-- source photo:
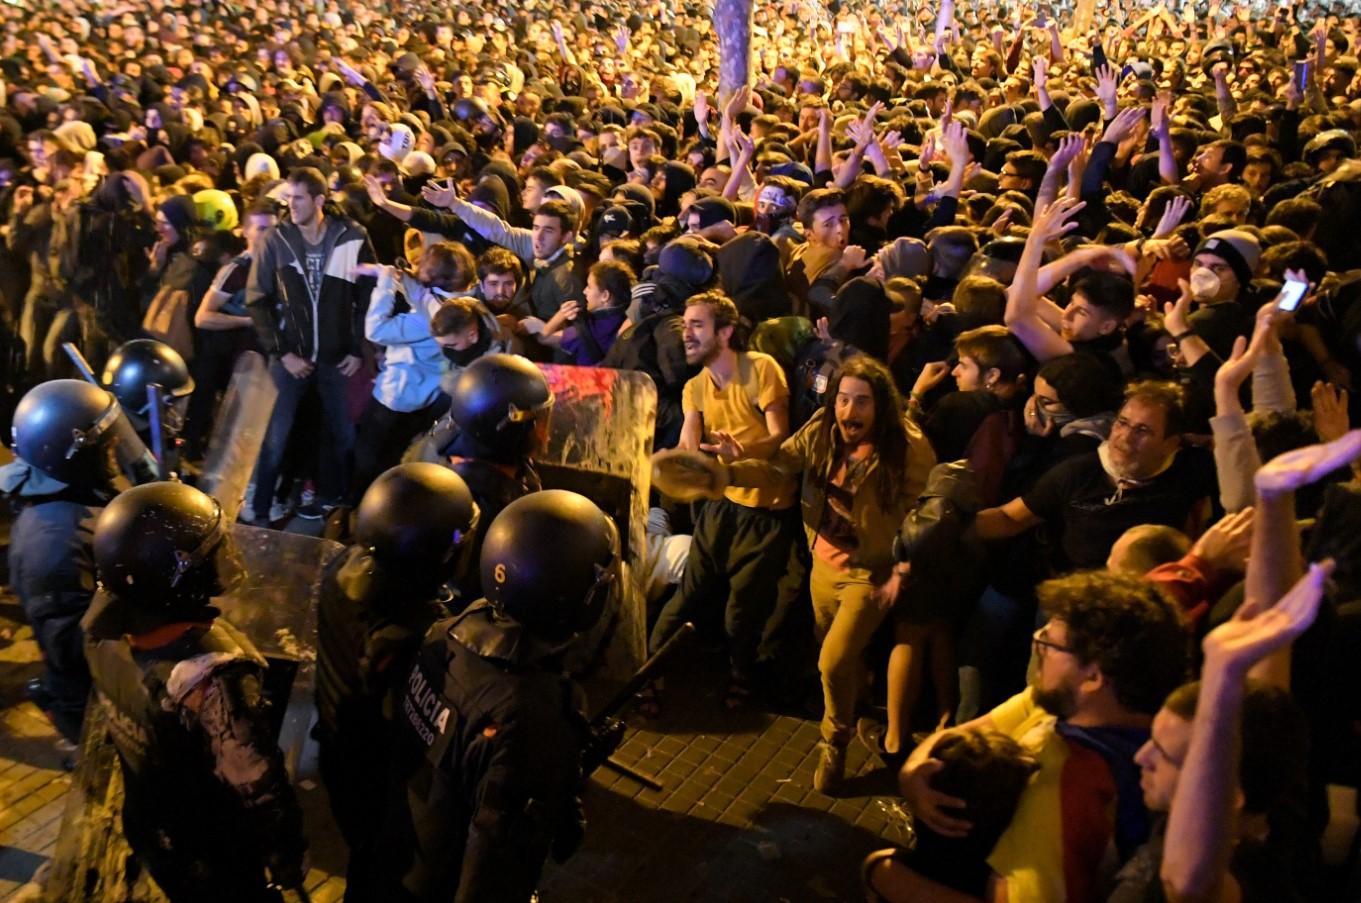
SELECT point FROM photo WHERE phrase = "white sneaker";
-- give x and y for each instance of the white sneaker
(280, 511)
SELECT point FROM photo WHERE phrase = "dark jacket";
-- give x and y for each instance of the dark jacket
(324, 329)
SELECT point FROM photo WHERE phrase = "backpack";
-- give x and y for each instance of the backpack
(1339, 194)
(809, 363)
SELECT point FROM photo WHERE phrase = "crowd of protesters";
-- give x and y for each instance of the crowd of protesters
(1046, 247)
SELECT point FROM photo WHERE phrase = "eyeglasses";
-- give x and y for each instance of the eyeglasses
(1042, 642)
(1166, 756)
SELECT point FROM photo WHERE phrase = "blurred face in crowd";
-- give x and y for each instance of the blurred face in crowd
(548, 236)
(460, 340)
(854, 408)
(969, 376)
(596, 297)
(703, 342)
(1160, 759)
(1209, 167)
(1083, 321)
(532, 194)
(640, 148)
(1257, 177)
(831, 227)
(303, 208)
(256, 225)
(1139, 445)
(498, 289)
(1037, 407)
(1227, 287)
(1057, 677)
(165, 231)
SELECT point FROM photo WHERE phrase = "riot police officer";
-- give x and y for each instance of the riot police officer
(490, 731)
(376, 602)
(207, 806)
(73, 446)
(497, 422)
(132, 369)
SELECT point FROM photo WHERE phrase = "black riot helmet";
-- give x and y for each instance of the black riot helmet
(164, 546)
(414, 517)
(138, 364)
(501, 402)
(548, 562)
(77, 433)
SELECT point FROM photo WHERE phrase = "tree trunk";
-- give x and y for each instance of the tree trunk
(732, 22)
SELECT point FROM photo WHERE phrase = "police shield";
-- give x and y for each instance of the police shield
(273, 605)
(600, 445)
(238, 433)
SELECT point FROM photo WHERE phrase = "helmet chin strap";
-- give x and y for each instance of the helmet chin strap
(185, 562)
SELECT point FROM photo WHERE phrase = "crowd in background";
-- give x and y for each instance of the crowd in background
(1107, 258)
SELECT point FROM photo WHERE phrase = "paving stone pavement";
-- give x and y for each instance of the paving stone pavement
(738, 819)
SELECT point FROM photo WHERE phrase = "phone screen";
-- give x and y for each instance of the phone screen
(1301, 74)
(1292, 293)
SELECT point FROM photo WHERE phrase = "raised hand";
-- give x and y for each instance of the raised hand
(1123, 124)
(1106, 88)
(1040, 70)
(737, 103)
(439, 195)
(932, 375)
(621, 39)
(1294, 469)
(1330, 411)
(1055, 220)
(1069, 147)
(425, 80)
(375, 190)
(955, 142)
(1250, 636)
(1175, 315)
(701, 107)
(1224, 546)
(1158, 119)
(1173, 213)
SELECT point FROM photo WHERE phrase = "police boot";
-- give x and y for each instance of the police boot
(831, 767)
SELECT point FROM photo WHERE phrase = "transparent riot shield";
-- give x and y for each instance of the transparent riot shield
(275, 607)
(238, 433)
(600, 445)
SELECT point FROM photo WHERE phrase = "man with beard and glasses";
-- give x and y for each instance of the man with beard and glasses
(1140, 475)
(1112, 649)
(863, 465)
(743, 541)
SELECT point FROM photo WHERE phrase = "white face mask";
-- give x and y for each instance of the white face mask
(1204, 283)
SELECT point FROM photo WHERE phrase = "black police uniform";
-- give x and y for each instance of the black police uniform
(207, 803)
(52, 572)
(488, 767)
(368, 633)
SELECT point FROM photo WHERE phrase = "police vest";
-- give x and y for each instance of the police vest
(141, 693)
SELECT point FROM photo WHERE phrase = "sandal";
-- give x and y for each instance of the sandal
(648, 701)
(738, 694)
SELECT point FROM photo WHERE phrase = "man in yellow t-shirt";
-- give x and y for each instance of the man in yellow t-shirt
(742, 542)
